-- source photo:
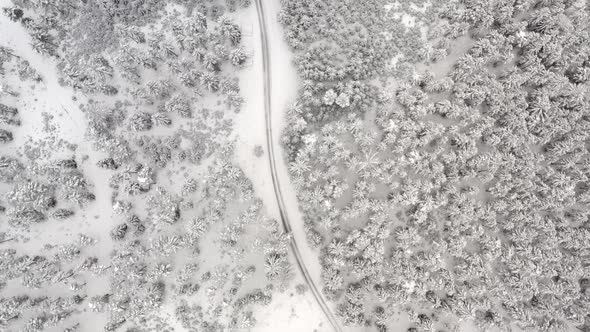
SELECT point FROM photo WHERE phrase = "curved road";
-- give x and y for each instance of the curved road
(274, 174)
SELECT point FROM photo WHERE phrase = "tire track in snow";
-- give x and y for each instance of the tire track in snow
(274, 174)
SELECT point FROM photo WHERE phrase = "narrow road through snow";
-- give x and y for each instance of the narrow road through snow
(271, 148)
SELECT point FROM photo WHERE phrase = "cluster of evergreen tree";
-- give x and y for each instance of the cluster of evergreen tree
(459, 195)
(157, 84)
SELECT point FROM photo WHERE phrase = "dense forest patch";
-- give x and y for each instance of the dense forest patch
(459, 195)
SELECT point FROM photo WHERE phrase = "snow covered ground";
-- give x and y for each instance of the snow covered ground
(57, 101)
(288, 311)
(284, 91)
(50, 97)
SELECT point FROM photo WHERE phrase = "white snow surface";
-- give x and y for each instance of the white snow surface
(286, 313)
(97, 219)
(57, 101)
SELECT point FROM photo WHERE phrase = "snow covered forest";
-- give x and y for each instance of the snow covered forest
(295, 165)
